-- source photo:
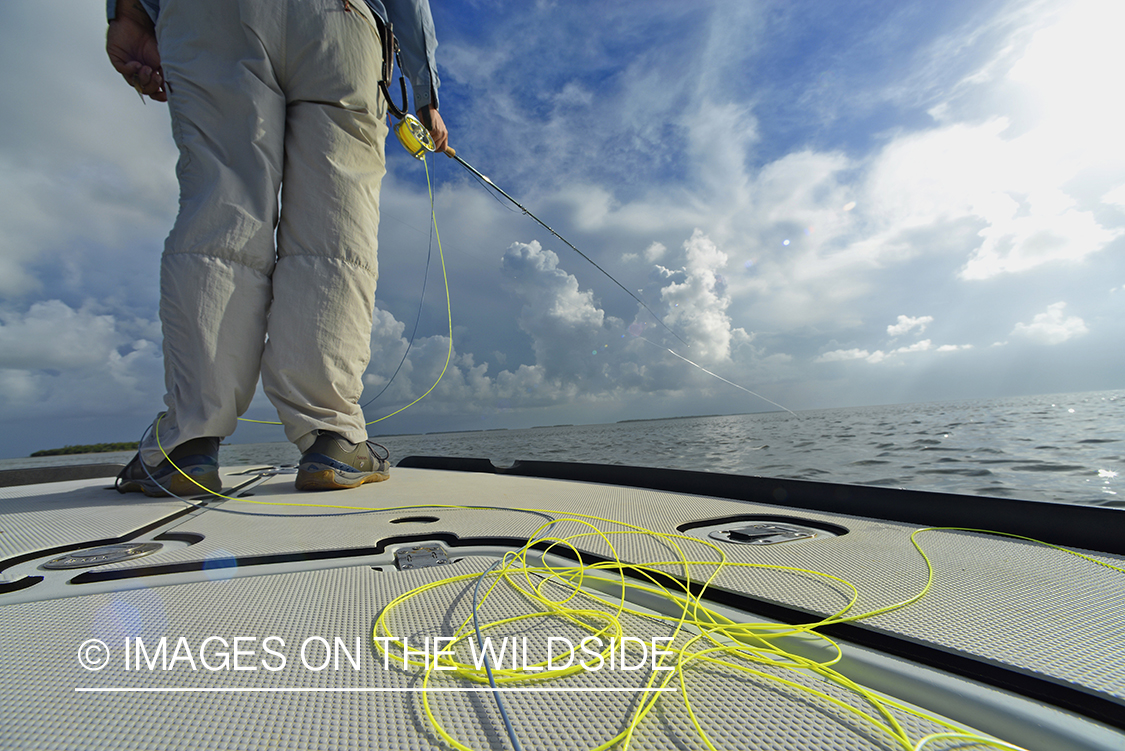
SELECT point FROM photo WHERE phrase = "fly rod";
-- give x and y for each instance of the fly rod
(416, 139)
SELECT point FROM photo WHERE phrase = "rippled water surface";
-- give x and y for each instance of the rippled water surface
(1068, 448)
(1063, 447)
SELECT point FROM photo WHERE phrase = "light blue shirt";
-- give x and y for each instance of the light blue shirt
(414, 30)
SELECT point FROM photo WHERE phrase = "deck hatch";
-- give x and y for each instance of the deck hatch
(102, 555)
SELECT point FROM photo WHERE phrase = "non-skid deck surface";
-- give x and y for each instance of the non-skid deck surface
(291, 566)
(58, 514)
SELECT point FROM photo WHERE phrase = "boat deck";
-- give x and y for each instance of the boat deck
(267, 603)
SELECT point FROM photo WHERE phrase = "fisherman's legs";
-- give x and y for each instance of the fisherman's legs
(324, 282)
(228, 119)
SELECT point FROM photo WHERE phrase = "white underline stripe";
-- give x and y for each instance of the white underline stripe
(111, 690)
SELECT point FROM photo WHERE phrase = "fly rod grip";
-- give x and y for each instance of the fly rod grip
(449, 152)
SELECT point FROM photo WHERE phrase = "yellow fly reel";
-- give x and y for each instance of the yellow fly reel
(414, 137)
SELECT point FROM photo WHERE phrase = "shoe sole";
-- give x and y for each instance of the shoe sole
(178, 484)
(206, 483)
(330, 479)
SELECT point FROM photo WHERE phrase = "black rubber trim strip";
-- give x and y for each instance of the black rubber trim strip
(16, 586)
(1076, 526)
(37, 475)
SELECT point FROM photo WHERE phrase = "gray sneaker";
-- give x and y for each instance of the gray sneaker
(333, 462)
(197, 461)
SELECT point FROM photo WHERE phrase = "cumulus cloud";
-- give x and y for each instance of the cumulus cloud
(563, 321)
(980, 172)
(1052, 326)
(1115, 197)
(1064, 71)
(987, 191)
(697, 301)
(841, 355)
(906, 323)
(879, 356)
(78, 361)
(922, 346)
(100, 182)
(581, 354)
(1013, 244)
(52, 335)
(88, 360)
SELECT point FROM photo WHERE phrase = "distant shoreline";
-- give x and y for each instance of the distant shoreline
(681, 417)
(90, 448)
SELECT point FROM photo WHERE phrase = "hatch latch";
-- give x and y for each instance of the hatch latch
(420, 556)
(762, 534)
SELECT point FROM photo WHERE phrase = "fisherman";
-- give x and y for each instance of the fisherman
(270, 96)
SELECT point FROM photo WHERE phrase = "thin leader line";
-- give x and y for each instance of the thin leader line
(716, 375)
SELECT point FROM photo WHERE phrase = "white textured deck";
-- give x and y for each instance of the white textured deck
(236, 569)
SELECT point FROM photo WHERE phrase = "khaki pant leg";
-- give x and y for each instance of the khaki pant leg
(228, 119)
(324, 283)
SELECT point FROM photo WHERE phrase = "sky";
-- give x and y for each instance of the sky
(900, 201)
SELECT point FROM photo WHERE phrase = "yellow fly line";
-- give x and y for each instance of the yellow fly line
(699, 635)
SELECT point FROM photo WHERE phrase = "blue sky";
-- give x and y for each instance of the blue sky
(894, 202)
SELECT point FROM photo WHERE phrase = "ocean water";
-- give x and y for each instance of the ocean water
(1067, 448)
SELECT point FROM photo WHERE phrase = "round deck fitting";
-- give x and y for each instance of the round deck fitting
(102, 555)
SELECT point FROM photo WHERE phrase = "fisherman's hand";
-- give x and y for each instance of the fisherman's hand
(431, 118)
(131, 46)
